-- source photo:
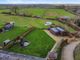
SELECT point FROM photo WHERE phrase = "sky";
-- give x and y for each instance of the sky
(39, 1)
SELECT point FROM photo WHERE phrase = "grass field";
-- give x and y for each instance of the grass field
(40, 44)
(47, 13)
(53, 13)
(27, 22)
(23, 21)
(34, 11)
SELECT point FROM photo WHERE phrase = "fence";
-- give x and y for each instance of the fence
(12, 42)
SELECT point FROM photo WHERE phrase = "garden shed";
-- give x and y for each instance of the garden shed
(6, 42)
(48, 23)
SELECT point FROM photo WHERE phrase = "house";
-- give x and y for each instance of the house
(54, 31)
(59, 31)
(8, 26)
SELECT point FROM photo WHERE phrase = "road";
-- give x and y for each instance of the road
(67, 52)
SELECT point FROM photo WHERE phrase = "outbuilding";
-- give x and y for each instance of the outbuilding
(8, 26)
(48, 23)
(6, 42)
(24, 42)
(64, 18)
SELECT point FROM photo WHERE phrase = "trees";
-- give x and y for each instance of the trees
(78, 22)
(14, 10)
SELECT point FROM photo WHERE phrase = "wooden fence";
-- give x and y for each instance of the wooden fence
(13, 42)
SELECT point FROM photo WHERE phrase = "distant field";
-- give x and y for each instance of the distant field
(46, 13)
(53, 13)
(34, 11)
(40, 44)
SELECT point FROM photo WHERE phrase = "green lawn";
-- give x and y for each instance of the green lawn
(40, 44)
(13, 33)
(23, 21)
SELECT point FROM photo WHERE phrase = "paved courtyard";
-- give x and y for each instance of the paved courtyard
(4, 55)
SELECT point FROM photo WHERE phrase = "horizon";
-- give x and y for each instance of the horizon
(39, 2)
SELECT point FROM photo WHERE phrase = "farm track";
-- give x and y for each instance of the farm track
(67, 52)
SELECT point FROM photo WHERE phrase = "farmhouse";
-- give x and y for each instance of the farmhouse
(58, 31)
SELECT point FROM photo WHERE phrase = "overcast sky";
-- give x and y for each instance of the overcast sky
(39, 1)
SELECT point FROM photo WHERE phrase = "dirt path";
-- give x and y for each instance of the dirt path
(67, 52)
(57, 39)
